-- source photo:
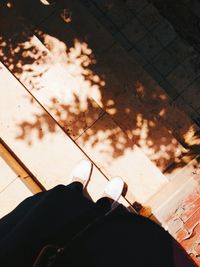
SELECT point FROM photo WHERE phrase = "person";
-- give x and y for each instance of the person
(62, 227)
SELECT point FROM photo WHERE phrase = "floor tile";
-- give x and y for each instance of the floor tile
(134, 31)
(104, 5)
(7, 29)
(164, 32)
(150, 17)
(183, 75)
(164, 62)
(155, 99)
(148, 47)
(6, 173)
(180, 49)
(122, 40)
(136, 119)
(118, 13)
(185, 106)
(12, 196)
(169, 89)
(155, 74)
(136, 6)
(136, 56)
(113, 152)
(93, 33)
(106, 22)
(191, 95)
(26, 10)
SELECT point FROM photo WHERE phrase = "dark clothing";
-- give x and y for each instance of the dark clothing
(116, 238)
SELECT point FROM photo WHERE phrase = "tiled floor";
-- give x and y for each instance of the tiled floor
(153, 36)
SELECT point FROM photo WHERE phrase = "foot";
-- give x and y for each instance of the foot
(82, 172)
(114, 189)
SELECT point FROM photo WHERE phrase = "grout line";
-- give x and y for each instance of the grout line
(9, 184)
(118, 29)
(45, 18)
(102, 115)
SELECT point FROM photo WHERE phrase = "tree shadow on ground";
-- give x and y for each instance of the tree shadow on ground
(77, 88)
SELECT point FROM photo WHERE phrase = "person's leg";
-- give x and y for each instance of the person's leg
(8, 222)
(57, 214)
(11, 219)
(49, 220)
(81, 173)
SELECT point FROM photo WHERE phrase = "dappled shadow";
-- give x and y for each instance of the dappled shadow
(79, 86)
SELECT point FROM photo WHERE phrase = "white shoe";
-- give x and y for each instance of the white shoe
(114, 189)
(82, 172)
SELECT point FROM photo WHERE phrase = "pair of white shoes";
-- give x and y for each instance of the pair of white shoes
(82, 173)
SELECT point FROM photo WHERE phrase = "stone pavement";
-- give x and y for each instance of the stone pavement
(108, 80)
(153, 42)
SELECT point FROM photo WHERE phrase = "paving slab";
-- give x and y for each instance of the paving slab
(123, 62)
(7, 29)
(164, 63)
(134, 30)
(148, 47)
(121, 38)
(191, 95)
(7, 175)
(26, 10)
(68, 97)
(155, 74)
(101, 16)
(184, 74)
(12, 196)
(164, 32)
(154, 98)
(55, 101)
(50, 156)
(150, 17)
(141, 175)
(180, 49)
(116, 11)
(186, 106)
(169, 89)
(94, 33)
(136, 6)
(136, 56)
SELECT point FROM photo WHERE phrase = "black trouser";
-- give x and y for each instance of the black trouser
(57, 215)
(50, 217)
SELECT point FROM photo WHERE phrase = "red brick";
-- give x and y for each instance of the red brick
(181, 235)
(191, 209)
(195, 237)
(193, 221)
(197, 249)
(192, 198)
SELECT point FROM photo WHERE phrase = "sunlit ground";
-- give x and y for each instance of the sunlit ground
(64, 80)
